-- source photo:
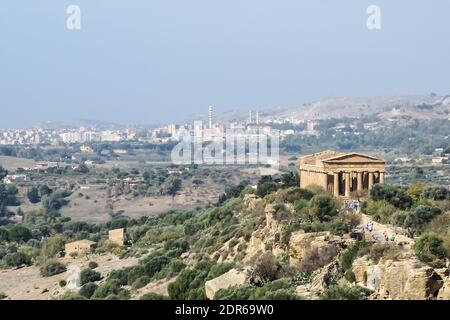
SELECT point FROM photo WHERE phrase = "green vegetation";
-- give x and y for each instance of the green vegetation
(430, 249)
(17, 259)
(51, 268)
(88, 275)
(346, 293)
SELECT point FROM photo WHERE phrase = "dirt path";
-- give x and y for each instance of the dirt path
(380, 230)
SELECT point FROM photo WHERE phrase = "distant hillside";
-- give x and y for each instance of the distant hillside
(429, 106)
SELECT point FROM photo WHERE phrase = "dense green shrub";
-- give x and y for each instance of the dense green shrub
(53, 246)
(153, 296)
(155, 265)
(88, 275)
(417, 219)
(19, 233)
(17, 259)
(396, 195)
(219, 269)
(33, 195)
(88, 289)
(436, 193)
(190, 283)
(380, 211)
(429, 249)
(324, 207)
(4, 234)
(111, 289)
(350, 276)
(336, 292)
(72, 296)
(141, 282)
(273, 289)
(241, 292)
(52, 267)
(282, 294)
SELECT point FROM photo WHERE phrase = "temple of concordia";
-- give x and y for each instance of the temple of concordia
(342, 174)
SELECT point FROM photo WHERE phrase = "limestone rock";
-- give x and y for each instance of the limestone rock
(300, 242)
(328, 275)
(444, 293)
(251, 200)
(399, 280)
(325, 277)
(232, 278)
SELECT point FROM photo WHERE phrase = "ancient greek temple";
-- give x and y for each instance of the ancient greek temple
(342, 174)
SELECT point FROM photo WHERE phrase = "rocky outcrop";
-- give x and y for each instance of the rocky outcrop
(444, 293)
(328, 275)
(300, 242)
(251, 200)
(232, 278)
(399, 280)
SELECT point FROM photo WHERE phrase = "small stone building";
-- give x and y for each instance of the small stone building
(341, 173)
(81, 246)
(117, 236)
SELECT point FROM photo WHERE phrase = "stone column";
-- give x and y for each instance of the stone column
(347, 184)
(370, 180)
(360, 181)
(336, 185)
(381, 177)
(324, 181)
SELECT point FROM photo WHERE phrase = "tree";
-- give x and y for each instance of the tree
(33, 195)
(324, 207)
(51, 268)
(265, 186)
(419, 217)
(436, 193)
(17, 259)
(4, 234)
(88, 275)
(44, 190)
(19, 233)
(3, 173)
(54, 246)
(88, 290)
(429, 249)
(290, 179)
(395, 195)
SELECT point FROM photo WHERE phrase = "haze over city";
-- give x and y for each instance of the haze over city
(159, 61)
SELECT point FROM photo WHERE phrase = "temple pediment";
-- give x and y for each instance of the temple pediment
(353, 158)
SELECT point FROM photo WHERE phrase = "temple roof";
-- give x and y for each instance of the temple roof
(336, 157)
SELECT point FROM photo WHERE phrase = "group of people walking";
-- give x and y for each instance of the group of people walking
(387, 238)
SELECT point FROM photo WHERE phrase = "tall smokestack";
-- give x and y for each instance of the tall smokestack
(257, 117)
(210, 116)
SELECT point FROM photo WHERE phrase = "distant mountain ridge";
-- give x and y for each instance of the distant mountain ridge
(426, 106)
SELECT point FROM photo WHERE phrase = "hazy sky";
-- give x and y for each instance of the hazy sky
(149, 61)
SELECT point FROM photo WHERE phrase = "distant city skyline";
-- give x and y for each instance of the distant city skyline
(160, 62)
